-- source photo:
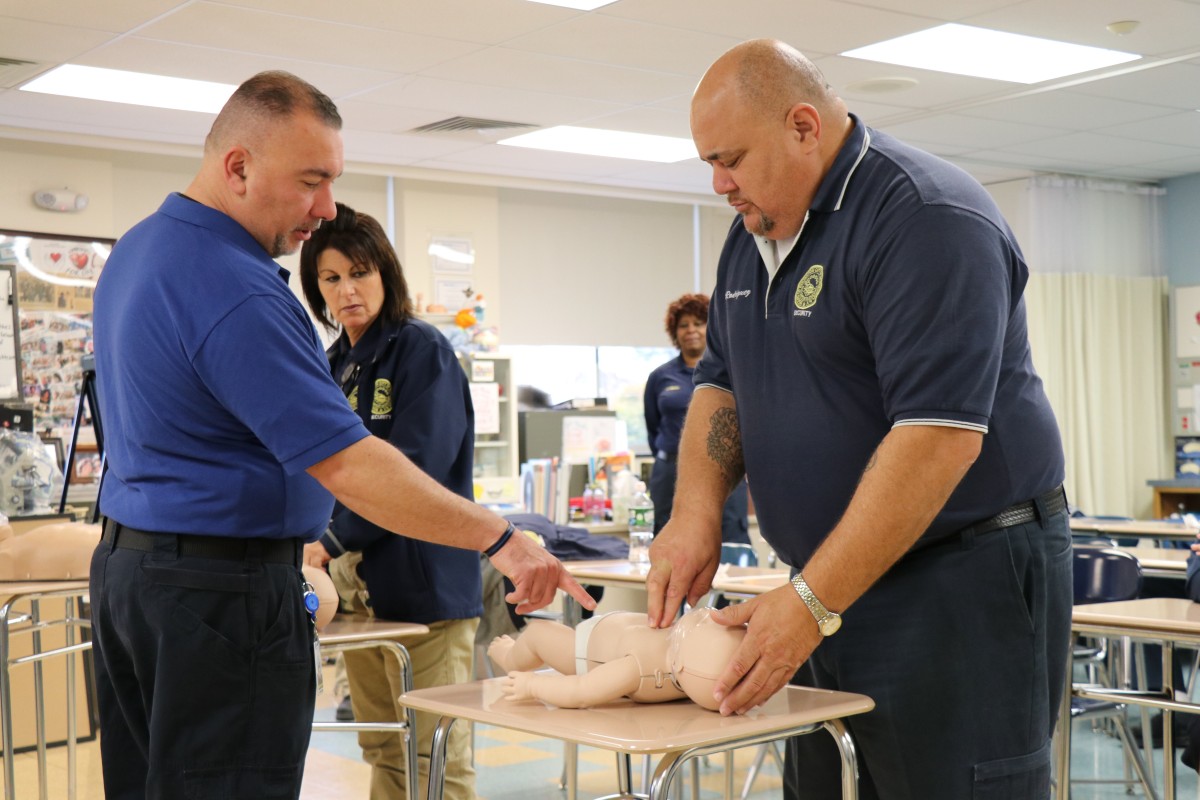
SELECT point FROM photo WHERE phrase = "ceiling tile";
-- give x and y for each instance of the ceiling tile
(480, 21)
(971, 133)
(599, 38)
(471, 99)
(228, 28)
(1173, 85)
(1101, 150)
(1166, 26)
(1068, 109)
(114, 17)
(1181, 129)
(824, 26)
(46, 43)
(514, 69)
(225, 66)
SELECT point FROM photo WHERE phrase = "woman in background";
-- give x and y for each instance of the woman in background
(668, 393)
(404, 380)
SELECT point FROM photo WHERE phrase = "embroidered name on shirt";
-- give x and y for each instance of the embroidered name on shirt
(737, 295)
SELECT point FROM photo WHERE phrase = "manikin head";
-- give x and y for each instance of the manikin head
(699, 649)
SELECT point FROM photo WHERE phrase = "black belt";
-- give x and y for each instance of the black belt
(663, 455)
(228, 548)
(1052, 502)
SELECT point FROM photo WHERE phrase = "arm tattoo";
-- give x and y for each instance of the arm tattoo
(871, 462)
(725, 444)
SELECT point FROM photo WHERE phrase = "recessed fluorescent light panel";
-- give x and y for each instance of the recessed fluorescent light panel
(983, 53)
(578, 5)
(134, 88)
(615, 144)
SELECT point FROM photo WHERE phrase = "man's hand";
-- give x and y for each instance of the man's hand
(683, 560)
(315, 555)
(780, 636)
(536, 575)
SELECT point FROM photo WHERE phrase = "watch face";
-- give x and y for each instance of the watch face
(830, 624)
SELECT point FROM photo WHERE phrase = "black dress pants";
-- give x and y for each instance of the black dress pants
(205, 675)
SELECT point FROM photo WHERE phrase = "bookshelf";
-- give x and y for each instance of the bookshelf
(493, 393)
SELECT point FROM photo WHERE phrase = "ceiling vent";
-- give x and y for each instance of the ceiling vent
(16, 70)
(475, 128)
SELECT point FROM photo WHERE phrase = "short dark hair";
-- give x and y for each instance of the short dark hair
(360, 238)
(271, 95)
(694, 304)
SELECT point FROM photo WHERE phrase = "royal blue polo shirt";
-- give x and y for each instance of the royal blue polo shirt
(899, 304)
(214, 391)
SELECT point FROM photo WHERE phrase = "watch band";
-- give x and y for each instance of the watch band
(828, 622)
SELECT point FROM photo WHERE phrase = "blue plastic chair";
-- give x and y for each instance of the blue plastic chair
(738, 554)
(1104, 575)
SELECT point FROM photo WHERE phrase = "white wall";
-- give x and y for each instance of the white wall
(591, 270)
(554, 267)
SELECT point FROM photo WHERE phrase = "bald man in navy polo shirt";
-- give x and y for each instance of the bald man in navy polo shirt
(868, 368)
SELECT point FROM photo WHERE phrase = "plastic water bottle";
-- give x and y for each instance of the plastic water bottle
(641, 525)
(599, 503)
(589, 503)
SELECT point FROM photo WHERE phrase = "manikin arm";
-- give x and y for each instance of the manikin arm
(600, 685)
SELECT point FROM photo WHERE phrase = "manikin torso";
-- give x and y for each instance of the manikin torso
(620, 634)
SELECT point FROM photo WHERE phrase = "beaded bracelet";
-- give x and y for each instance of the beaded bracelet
(503, 540)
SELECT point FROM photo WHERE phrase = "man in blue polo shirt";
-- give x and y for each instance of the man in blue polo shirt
(227, 442)
(868, 367)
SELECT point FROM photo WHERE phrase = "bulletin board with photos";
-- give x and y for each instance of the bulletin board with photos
(55, 279)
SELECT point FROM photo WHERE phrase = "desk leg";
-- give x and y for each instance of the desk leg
(1168, 719)
(845, 746)
(69, 615)
(412, 778)
(39, 698)
(671, 762)
(1062, 742)
(6, 703)
(571, 770)
(437, 757)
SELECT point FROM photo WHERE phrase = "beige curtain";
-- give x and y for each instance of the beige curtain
(1098, 329)
(1098, 343)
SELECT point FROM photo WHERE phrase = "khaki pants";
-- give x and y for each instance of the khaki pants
(443, 656)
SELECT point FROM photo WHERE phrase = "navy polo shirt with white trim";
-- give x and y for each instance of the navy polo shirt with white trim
(899, 304)
(214, 390)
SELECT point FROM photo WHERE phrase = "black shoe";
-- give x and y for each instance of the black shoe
(346, 714)
(1180, 724)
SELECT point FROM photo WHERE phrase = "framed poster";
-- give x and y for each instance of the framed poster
(55, 279)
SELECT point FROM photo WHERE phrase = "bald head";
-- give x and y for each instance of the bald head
(261, 102)
(770, 127)
(768, 77)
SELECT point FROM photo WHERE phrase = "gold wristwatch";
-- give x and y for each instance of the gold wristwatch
(828, 622)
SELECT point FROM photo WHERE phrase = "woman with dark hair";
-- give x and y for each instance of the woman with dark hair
(668, 394)
(404, 380)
